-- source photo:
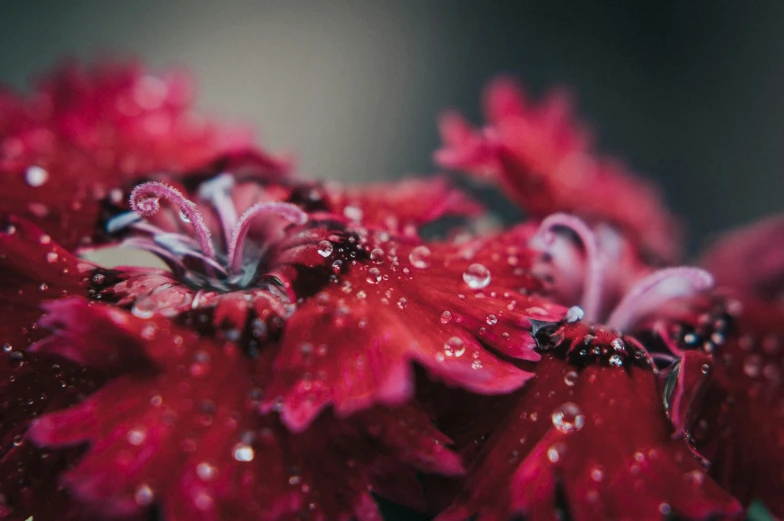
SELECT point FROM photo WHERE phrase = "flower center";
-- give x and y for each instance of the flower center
(193, 253)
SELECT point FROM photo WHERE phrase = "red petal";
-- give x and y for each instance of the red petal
(440, 306)
(403, 206)
(760, 246)
(594, 442)
(189, 436)
(33, 268)
(545, 161)
(85, 132)
(740, 426)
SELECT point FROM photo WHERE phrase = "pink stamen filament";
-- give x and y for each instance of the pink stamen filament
(287, 210)
(647, 294)
(592, 285)
(217, 191)
(145, 200)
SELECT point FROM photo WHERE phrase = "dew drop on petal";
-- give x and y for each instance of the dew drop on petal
(205, 471)
(446, 317)
(570, 378)
(555, 452)
(243, 452)
(477, 276)
(402, 303)
(144, 495)
(752, 366)
(574, 314)
(353, 213)
(136, 437)
(597, 474)
(325, 248)
(420, 257)
(51, 257)
(374, 275)
(616, 360)
(377, 255)
(36, 176)
(491, 320)
(143, 308)
(454, 347)
(184, 217)
(568, 418)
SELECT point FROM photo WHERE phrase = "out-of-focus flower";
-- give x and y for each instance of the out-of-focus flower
(308, 346)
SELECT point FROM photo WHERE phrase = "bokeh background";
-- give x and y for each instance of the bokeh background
(688, 93)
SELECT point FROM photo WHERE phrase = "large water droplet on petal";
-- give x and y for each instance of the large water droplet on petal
(568, 417)
(454, 347)
(420, 257)
(243, 452)
(325, 248)
(374, 275)
(36, 176)
(377, 255)
(446, 317)
(477, 276)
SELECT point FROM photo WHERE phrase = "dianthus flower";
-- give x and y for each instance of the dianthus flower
(303, 348)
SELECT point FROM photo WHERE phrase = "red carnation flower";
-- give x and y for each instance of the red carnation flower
(307, 347)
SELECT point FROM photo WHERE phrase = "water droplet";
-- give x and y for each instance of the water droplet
(454, 347)
(98, 278)
(597, 474)
(477, 276)
(243, 452)
(420, 257)
(568, 418)
(17, 440)
(8, 347)
(377, 255)
(555, 452)
(491, 320)
(51, 257)
(446, 317)
(325, 248)
(205, 471)
(616, 360)
(574, 314)
(402, 303)
(570, 378)
(617, 344)
(353, 213)
(184, 217)
(143, 307)
(752, 366)
(36, 176)
(374, 275)
(136, 437)
(144, 495)
(43, 286)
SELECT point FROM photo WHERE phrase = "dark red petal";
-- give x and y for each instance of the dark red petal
(33, 268)
(440, 305)
(740, 426)
(592, 441)
(404, 206)
(545, 162)
(84, 133)
(750, 260)
(188, 436)
(31, 385)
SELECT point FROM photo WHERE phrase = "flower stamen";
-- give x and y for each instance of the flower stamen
(241, 229)
(590, 301)
(145, 200)
(652, 291)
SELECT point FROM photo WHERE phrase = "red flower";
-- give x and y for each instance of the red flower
(546, 163)
(307, 345)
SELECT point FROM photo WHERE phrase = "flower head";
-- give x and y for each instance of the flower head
(302, 346)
